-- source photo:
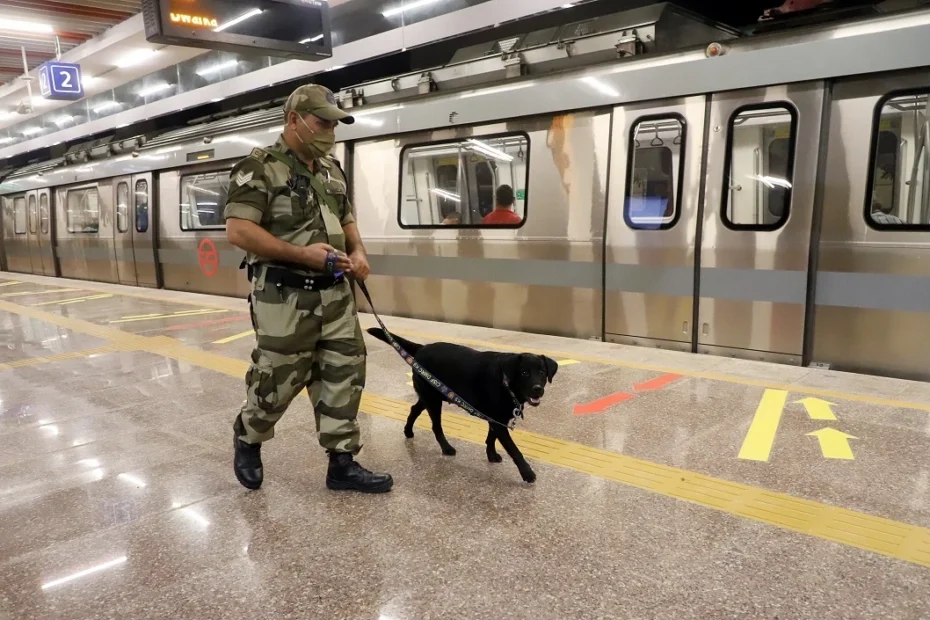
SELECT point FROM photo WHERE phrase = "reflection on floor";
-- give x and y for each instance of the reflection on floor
(670, 485)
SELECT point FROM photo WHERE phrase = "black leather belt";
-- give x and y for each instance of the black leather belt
(277, 276)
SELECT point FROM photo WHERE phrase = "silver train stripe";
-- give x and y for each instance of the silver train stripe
(504, 270)
(876, 291)
(188, 258)
(650, 279)
(775, 286)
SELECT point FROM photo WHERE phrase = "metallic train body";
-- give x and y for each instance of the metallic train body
(762, 246)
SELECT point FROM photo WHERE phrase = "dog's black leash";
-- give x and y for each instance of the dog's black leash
(436, 383)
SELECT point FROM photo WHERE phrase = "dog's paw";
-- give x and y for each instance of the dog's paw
(494, 457)
(408, 433)
(448, 451)
(528, 476)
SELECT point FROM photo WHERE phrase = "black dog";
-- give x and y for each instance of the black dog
(478, 377)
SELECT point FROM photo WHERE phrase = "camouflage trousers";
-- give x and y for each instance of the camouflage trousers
(305, 339)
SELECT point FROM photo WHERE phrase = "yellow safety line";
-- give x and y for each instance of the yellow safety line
(49, 292)
(10, 283)
(903, 541)
(75, 300)
(165, 316)
(61, 357)
(826, 393)
(568, 362)
(234, 338)
(696, 374)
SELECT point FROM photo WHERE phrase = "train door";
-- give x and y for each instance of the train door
(143, 244)
(122, 232)
(756, 228)
(32, 231)
(46, 236)
(652, 220)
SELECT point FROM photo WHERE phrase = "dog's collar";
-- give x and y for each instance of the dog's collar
(517, 405)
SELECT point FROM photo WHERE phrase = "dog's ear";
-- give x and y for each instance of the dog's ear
(552, 367)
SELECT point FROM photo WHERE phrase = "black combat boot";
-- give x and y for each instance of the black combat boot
(346, 475)
(248, 463)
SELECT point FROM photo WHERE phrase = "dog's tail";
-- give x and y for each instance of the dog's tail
(410, 347)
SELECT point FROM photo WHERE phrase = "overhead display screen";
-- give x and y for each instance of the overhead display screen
(284, 28)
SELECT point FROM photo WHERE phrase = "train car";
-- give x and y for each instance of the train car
(733, 199)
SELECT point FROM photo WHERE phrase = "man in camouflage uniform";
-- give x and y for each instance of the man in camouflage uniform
(287, 208)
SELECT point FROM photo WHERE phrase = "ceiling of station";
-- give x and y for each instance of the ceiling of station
(34, 24)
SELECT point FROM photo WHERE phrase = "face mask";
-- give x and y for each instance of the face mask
(322, 143)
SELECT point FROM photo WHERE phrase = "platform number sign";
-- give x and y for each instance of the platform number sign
(60, 81)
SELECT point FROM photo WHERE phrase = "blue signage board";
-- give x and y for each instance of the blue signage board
(60, 81)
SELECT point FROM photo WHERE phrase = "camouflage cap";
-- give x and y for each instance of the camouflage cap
(317, 100)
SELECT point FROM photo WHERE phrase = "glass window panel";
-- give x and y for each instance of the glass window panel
(471, 183)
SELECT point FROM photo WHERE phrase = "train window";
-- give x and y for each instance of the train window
(122, 207)
(33, 215)
(898, 189)
(654, 179)
(203, 197)
(19, 215)
(760, 167)
(469, 183)
(142, 206)
(83, 210)
(43, 213)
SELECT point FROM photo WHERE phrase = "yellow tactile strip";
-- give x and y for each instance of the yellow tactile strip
(61, 357)
(697, 374)
(903, 541)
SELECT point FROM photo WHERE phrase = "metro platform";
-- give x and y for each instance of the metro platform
(670, 485)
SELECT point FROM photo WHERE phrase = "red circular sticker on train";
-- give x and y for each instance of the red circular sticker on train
(208, 258)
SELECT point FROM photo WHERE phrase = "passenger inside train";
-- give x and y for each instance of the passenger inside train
(503, 212)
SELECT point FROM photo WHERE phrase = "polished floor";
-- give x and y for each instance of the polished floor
(669, 485)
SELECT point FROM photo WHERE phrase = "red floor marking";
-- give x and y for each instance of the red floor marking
(231, 319)
(656, 384)
(604, 403)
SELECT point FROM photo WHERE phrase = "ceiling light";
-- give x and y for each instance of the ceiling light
(6, 140)
(371, 122)
(237, 20)
(31, 131)
(487, 149)
(88, 80)
(313, 39)
(106, 106)
(135, 57)
(390, 108)
(154, 88)
(407, 7)
(21, 26)
(63, 120)
(217, 68)
(568, 5)
(449, 195)
(336, 67)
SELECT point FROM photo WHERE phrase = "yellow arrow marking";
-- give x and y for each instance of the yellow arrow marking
(11, 283)
(568, 362)
(834, 444)
(817, 408)
(234, 338)
(761, 435)
(410, 383)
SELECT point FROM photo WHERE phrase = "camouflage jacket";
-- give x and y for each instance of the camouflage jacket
(259, 191)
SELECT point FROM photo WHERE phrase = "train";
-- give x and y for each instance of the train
(762, 197)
